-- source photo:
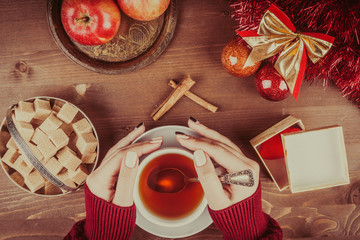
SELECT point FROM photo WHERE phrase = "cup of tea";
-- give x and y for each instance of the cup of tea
(163, 194)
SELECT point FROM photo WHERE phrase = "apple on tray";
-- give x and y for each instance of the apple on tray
(143, 10)
(90, 22)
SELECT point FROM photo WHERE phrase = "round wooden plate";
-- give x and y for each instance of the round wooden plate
(136, 44)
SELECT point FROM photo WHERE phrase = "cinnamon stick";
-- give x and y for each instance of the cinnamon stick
(195, 98)
(177, 93)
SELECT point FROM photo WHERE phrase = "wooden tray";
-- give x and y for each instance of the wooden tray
(136, 44)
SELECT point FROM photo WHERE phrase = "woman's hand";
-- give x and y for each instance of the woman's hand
(114, 179)
(216, 147)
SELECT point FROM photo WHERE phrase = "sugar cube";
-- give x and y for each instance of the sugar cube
(35, 151)
(58, 138)
(50, 123)
(22, 167)
(66, 151)
(51, 189)
(5, 166)
(26, 160)
(68, 158)
(67, 113)
(88, 157)
(2, 149)
(42, 109)
(16, 176)
(39, 136)
(56, 108)
(82, 126)
(36, 122)
(53, 166)
(26, 130)
(64, 177)
(79, 175)
(59, 103)
(72, 142)
(34, 181)
(24, 111)
(11, 144)
(47, 149)
(4, 138)
(10, 157)
(86, 142)
(67, 128)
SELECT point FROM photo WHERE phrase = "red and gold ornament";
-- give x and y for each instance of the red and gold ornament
(277, 35)
(270, 84)
(339, 18)
(234, 56)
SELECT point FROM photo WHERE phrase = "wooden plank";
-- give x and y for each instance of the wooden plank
(32, 65)
(332, 221)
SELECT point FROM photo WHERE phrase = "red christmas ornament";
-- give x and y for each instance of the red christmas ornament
(270, 84)
(272, 149)
(234, 56)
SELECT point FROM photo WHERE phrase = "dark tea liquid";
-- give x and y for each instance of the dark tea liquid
(171, 205)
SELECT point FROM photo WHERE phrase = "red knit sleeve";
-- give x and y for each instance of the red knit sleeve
(104, 220)
(246, 220)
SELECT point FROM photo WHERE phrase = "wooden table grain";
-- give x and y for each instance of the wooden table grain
(31, 64)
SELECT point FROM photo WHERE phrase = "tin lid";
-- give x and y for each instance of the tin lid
(316, 159)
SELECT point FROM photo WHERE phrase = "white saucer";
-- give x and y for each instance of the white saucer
(203, 221)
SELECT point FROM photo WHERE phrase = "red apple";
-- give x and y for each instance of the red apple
(143, 10)
(90, 22)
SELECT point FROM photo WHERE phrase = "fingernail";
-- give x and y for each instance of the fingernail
(200, 158)
(181, 135)
(130, 159)
(194, 120)
(156, 140)
(139, 125)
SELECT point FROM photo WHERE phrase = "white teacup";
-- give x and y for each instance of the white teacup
(148, 214)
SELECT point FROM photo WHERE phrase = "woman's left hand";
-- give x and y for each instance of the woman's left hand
(214, 147)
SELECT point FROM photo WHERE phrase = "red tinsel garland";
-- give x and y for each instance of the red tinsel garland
(338, 18)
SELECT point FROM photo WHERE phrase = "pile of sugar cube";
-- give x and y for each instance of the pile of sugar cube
(59, 136)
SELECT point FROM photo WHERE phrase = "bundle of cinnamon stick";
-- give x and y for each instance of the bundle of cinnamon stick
(181, 89)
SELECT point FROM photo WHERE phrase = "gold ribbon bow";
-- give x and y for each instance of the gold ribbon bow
(277, 34)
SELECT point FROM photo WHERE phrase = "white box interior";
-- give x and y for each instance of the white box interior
(316, 159)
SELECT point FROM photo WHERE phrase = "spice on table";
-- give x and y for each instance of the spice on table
(180, 90)
(197, 99)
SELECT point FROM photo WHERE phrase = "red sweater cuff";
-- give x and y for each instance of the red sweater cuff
(243, 220)
(107, 221)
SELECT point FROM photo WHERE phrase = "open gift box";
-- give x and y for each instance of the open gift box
(309, 160)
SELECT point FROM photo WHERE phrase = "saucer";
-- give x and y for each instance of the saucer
(203, 221)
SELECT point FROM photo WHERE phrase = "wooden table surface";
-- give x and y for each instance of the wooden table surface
(31, 64)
